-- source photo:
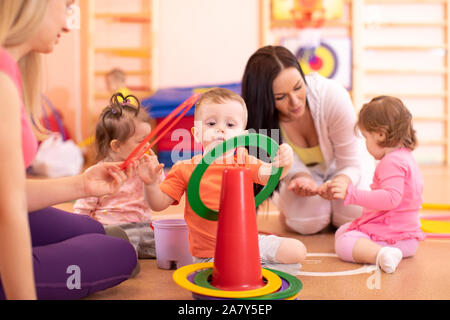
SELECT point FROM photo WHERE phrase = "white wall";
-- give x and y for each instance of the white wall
(205, 41)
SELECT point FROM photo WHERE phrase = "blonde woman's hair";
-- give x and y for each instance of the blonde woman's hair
(18, 22)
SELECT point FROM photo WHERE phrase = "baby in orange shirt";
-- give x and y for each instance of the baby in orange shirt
(220, 114)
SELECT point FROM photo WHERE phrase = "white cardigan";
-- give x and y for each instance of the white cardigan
(334, 118)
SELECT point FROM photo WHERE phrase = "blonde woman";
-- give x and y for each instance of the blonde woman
(46, 253)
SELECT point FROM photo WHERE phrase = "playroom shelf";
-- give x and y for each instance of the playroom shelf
(441, 142)
(144, 52)
(430, 119)
(138, 93)
(327, 24)
(402, 1)
(141, 17)
(436, 71)
(415, 95)
(405, 47)
(439, 50)
(406, 24)
(112, 38)
(363, 18)
(102, 73)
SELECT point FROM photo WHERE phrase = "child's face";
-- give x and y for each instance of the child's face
(215, 123)
(121, 150)
(113, 84)
(372, 143)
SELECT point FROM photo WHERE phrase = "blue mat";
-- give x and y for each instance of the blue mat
(165, 101)
(166, 157)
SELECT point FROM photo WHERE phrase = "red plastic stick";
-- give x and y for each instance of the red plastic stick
(186, 105)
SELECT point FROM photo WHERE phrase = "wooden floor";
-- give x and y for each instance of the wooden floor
(424, 276)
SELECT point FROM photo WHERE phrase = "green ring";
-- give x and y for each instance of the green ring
(295, 285)
(250, 140)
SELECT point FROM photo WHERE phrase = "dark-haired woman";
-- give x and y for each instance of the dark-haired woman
(316, 117)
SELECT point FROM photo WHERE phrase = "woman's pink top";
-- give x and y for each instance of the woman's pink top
(29, 143)
(391, 207)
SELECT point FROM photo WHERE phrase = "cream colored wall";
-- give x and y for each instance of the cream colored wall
(198, 42)
(209, 41)
(205, 41)
(61, 79)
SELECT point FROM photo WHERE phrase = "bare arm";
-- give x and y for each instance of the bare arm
(98, 180)
(56, 191)
(16, 263)
(150, 172)
(156, 199)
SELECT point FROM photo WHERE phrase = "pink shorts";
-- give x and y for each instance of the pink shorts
(345, 240)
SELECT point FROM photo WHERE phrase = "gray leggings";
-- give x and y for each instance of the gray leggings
(142, 237)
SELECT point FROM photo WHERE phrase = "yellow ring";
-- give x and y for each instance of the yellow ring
(435, 206)
(293, 297)
(181, 274)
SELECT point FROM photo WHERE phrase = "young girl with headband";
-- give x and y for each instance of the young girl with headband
(389, 228)
(121, 127)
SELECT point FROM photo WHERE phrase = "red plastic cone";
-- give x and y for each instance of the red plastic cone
(237, 263)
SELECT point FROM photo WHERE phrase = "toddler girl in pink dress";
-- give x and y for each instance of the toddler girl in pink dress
(121, 127)
(389, 228)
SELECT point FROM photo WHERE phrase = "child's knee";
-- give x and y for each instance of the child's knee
(341, 230)
(291, 251)
(345, 241)
(408, 247)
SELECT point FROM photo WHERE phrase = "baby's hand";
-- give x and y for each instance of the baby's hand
(284, 157)
(324, 190)
(338, 189)
(149, 169)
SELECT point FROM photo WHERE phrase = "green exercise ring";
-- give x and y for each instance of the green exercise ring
(295, 285)
(250, 140)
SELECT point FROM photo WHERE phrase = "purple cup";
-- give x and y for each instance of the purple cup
(171, 241)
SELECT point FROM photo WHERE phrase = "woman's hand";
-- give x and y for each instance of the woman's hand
(105, 178)
(149, 170)
(303, 185)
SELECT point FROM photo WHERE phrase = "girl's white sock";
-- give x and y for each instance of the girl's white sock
(388, 259)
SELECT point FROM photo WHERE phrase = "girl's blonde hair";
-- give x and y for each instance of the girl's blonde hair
(390, 116)
(116, 122)
(18, 22)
